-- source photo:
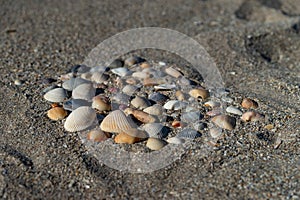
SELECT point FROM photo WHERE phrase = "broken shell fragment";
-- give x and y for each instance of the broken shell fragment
(173, 72)
(212, 104)
(56, 95)
(252, 116)
(57, 113)
(97, 135)
(155, 143)
(249, 103)
(196, 93)
(224, 121)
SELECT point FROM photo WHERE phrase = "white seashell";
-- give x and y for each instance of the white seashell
(84, 91)
(56, 95)
(212, 104)
(129, 89)
(156, 109)
(234, 110)
(188, 133)
(121, 71)
(141, 75)
(101, 103)
(175, 105)
(73, 104)
(191, 116)
(156, 130)
(99, 77)
(173, 72)
(155, 144)
(72, 83)
(175, 140)
(162, 63)
(140, 102)
(224, 121)
(165, 87)
(100, 69)
(80, 119)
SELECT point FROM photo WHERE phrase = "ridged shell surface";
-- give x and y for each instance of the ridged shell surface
(84, 91)
(56, 95)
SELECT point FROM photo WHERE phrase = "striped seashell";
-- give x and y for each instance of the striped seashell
(156, 130)
(188, 133)
(57, 113)
(155, 144)
(140, 102)
(99, 77)
(224, 121)
(84, 91)
(156, 109)
(56, 95)
(81, 119)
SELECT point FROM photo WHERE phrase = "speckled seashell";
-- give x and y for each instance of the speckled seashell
(121, 98)
(156, 109)
(234, 110)
(179, 95)
(252, 116)
(188, 133)
(73, 104)
(142, 116)
(141, 75)
(173, 72)
(156, 130)
(117, 122)
(212, 104)
(101, 103)
(140, 102)
(175, 140)
(175, 105)
(158, 97)
(121, 71)
(73, 83)
(155, 143)
(97, 135)
(191, 116)
(215, 132)
(57, 113)
(224, 121)
(133, 60)
(249, 103)
(130, 137)
(99, 77)
(165, 87)
(196, 93)
(129, 89)
(84, 91)
(56, 95)
(80, 119)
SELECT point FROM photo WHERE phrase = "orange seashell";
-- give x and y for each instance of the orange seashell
(130, 137)
(57, 113)
(249, 103)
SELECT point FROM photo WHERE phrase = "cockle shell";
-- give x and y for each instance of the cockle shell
(224, 121)
(101, 103)
(73, 104)
(97, 135)
(73, 83)
(56, 95)
(175, 140)
(140, 102)
(57, 113)
(173, 72)
(188, 133)
(84, 91)
(117, 122)
(191, 116)
(155, 143)
(80, 119)
(199, 92)
(234, 110)
(131, 136)
(252, 116)
(249, 103)
(141, 116)
(156, 109)
(99, 77)
(121, 71)
(156, 130)
(129, 89)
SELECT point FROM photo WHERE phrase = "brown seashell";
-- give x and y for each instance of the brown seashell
(177, 124)
(180, 95)
(57, 113)
(130, 137)
(145, 65)
(53, 105)
(249, 103)
(155, 144)
(131, 81)
(117, 122)
(224, 121)
(252, 116)
(142, 116)
(152, 81)
(173, 72)
(101, 103)
(97, 135)
(196, 93)
(140, 102)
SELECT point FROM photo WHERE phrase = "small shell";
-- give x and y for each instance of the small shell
(86, 76)
(152, 81)
(188, 133)
(156, 130)
(116, 63)
(180, 95)
(173, 72)
(249, 103)
(132, 81)
(141, 75)
(175, 105)
(97, 135)
(224, 121)
(133, 60)
(130, 89)
(73, 83)
(57, 113)
(101, 103)
(121, 71)
(99, 77)
(234, 110)
(199, 126)
(158, 97)
(130, 137)
(142, 116)
(215, 132)
(199, 93)
(145, 65)
(100, 69)
(177, 124)
(165, 87)
(140, 102)
(252, 116)
(184, 81)
(80, 119)
(214, 112)
(117, 122)
(191, 116)
(212, 104)
(84, 91)
(73, 104)
(175, 140)
(156, 109)
(56, 95)
(155, 144)
(121, 98)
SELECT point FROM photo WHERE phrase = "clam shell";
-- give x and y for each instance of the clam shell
(57, 113)
(191, 116)
(56, 95)
(234, 110)
(199, 92)
(121, 71)
(140, 102)
(155, 143)
(173, 72)
(73, 83)
(252, 116)
(117, 122)
(158, 97)
(80, 119)
(73, 104)
(156, 109)
(121, 98)
(212, 104)
(130, 137)
(97, 135)
(249, 103)
(156, 130)
(99, 77)
(175, 105)
(84, 91)
(101, 103)
(188, 133)
(224, 121)
(175, 140)
(129, 89)
(99, 69)
(142, 116)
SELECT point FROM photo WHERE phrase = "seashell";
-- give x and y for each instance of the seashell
(184, 81)
(141, 116)
(145, 65)
(215, 132)
(212, 104)
(234, 110)
(86, 76)
(175, 140)
(56, 95)
(199, 125)
(141, 75)
(130, 137)
(156, 130)
(133, 60)
(156, 73)
(173, 72)
(129, 89)
(98, 69)
(72, 83)
(117, 122)
(132, 81)
(99, 77)
(269, 126)
(180, 95)
(214, 112)
(79, 69)
(80, 119)
(57, 113)
(101, 103)
(196, 93)
(158, 97)
(249, 103)
(224, 121)
(165, 87)
(162, 63)
(84, 91)
(252, 116)
(191, 116)
(117, 63)
(121, 98)
(188, 133)
(155, 143)
(227, 99)
(156, 109)
(73, 104)
(97, 135)
(121, 71)
(174, 105)
(152, 81)
(140, 102)
(177, 124)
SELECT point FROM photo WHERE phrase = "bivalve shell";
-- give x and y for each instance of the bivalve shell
(101, 103)
(121, 71)
(191, 116)
(156, 130)
(73, 83)
(188, 133)
(234, 110)
(156, 109)
(97, 135)
(212, 104)
(99, 77)
(141, 75)
(133, 60)
(56, 95)
(142, 116)
(57, 113)
(196, 93)
(252, 116)
(140, 102)
(175, 140)
(73, 104)
(173, 72)
(84, 91)
(180, 95)
(224, 121)
(249, 103)
(158, 97)
(155, 144)
(175, 105)
(129, 89)
(130, 137)
(215, 132)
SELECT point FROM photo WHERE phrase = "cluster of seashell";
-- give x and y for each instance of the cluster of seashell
(134, 101)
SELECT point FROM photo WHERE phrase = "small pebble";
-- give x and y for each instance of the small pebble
(249, 103)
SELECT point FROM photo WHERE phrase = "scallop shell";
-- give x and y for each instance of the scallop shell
(155, 144)
(130, 137)
(174, 105)
(158, 97)
(173, 72)
(140, 102)
(56, 95)
(191, 116)
(117, 122)
(121, 71)
(97, 135)
(99, 77)
(73, 83)
(101, 103)
(199, 92)
(234, 110)
(84, 91)
(73, 104)
(224, 121)
(212, 104)
(252, 116)
(156, 130)
(175, 140)
(249, 103)
(57, 113)
(80, 119)
(129, 89)
(156, 109)
(188, 133)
